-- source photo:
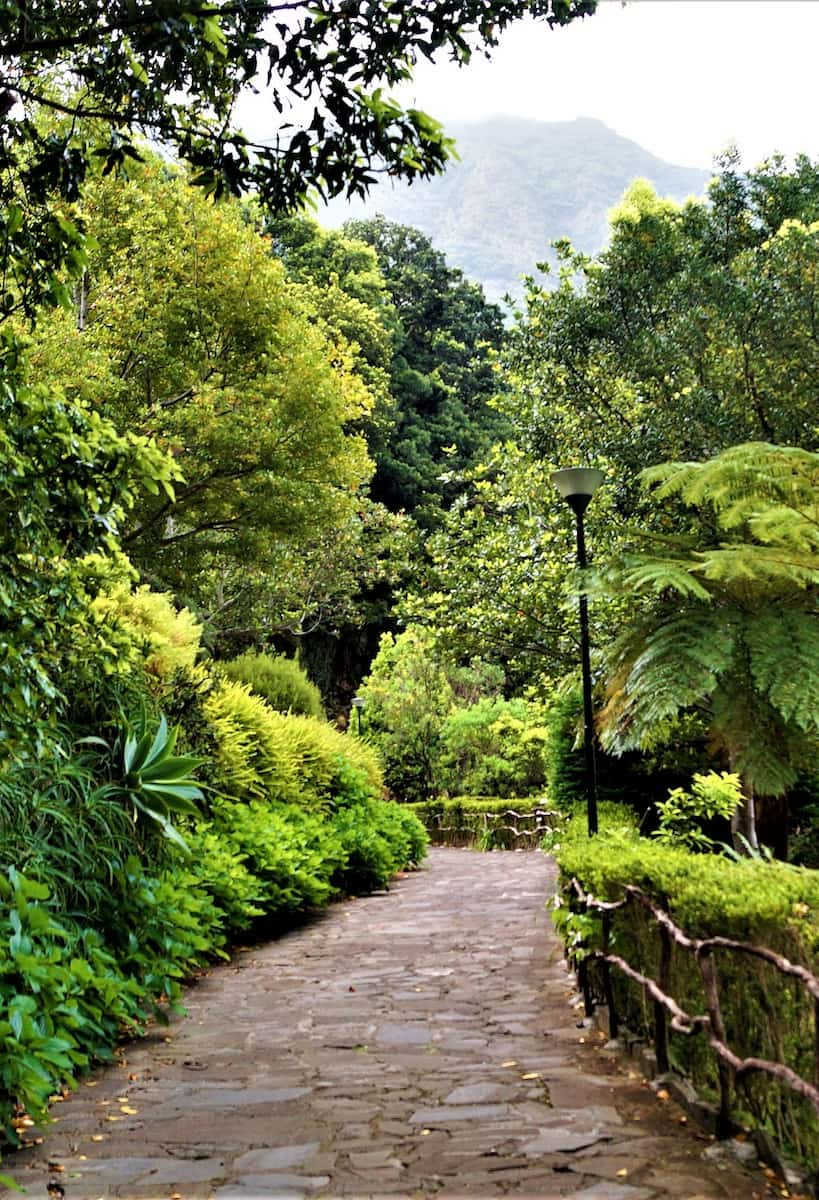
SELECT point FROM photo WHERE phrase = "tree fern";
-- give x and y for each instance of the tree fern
(725, 617)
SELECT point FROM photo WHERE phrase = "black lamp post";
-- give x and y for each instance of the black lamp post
(358, 703)
(577, 485)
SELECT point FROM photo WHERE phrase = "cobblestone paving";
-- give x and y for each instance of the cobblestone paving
(414, 1043)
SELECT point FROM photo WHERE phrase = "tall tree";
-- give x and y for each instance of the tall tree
(724, 619)
(185, 328)
(694, 330)
(442, 377)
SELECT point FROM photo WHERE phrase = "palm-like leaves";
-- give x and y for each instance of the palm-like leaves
(729, 626)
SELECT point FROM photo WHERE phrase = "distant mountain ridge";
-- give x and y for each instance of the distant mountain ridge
(521, 184)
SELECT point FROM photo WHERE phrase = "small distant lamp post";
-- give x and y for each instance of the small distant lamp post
(358, 703)
(577, 485)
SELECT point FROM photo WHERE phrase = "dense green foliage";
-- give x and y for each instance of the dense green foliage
(67, 480)
(691, 332)
(768, 904)
(683, 814)
(441, 371)
(278, 680)
(494, 747)
(184, 327)
(444, 729)
(105, 916)
(723, 618)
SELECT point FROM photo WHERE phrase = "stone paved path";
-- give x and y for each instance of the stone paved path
(414, 1043)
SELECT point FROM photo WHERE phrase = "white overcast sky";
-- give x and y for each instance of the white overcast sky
(684, 78)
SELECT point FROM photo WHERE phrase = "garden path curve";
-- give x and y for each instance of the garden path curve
(418, 1042)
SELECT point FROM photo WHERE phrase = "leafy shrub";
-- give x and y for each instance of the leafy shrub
(165, 924)
(378, 838)
(565, 763)
(408, 697)
(291, 853)
(264, 754)
(278, 680)
(415, 839)
(494, 747)
(683, 813)
(369, 859)
(58, 1007)
(221, 869)
(169, 637)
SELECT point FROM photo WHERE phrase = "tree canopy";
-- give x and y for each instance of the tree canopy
(442, 376)
(184, 328)
(693, 330)
(176, 73)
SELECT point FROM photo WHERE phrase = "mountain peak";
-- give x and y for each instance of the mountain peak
(519, 185)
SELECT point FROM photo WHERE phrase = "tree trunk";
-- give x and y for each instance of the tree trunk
(743, 822)
(772, 824)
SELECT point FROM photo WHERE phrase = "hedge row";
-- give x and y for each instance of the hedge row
(485, 822)
(767, 904)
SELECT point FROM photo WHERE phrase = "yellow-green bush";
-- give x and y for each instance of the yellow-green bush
(278, 680)
(171, 636)
(263, 754)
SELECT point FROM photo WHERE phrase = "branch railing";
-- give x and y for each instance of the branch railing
(507, 829)
(669, 1015)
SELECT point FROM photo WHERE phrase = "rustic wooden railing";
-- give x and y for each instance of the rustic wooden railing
(731, 1067)
(505, 830)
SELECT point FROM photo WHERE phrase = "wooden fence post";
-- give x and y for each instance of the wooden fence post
(708, 971)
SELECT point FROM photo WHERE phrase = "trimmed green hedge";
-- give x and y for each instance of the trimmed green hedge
(280, 681)
(485, 822)
(768, 904)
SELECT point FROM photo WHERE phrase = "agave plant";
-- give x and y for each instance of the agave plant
(158, 782)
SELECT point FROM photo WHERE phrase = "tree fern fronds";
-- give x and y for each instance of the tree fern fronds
(783, 650)
(730, 625)
(743, 480)
(788, 526)
(660, 668)
(763, 747)
(773, 567)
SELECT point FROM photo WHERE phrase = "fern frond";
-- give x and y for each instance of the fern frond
(661, 668)
(754, 473)
(783, 646)
(775, 567)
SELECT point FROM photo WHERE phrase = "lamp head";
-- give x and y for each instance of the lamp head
(577, 485)
(358, 702)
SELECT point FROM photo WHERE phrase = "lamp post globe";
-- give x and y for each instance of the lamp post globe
(576, 486)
